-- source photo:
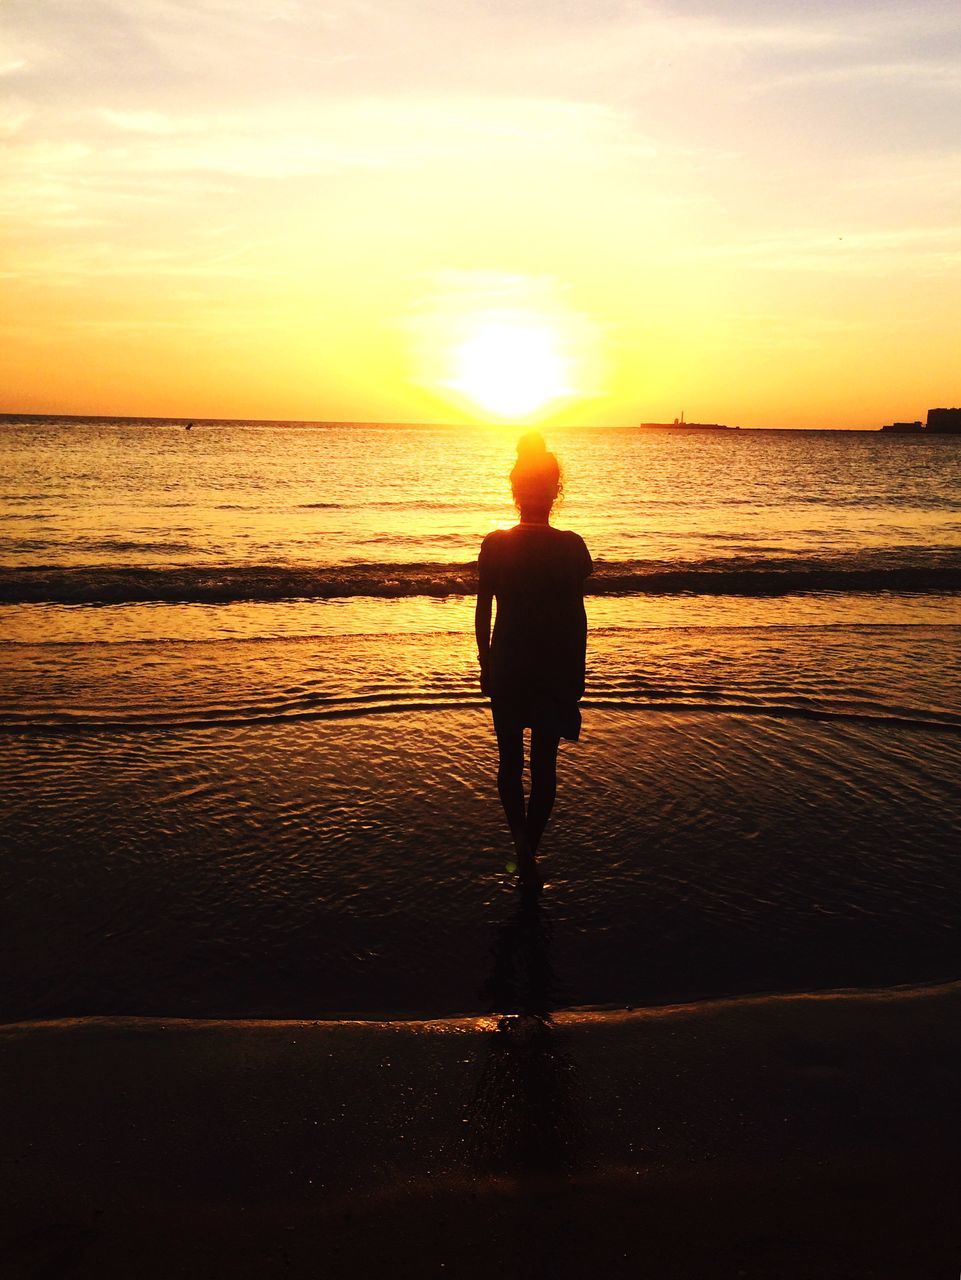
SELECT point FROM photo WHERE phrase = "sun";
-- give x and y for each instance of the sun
(510, 368)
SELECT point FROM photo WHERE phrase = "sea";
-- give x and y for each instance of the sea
(248, 770)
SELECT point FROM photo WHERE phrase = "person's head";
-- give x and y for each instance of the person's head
(536, 477)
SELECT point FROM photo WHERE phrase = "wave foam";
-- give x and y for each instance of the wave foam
(121, 584)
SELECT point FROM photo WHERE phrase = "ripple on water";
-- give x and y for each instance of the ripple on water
(357, 866)
(898, 675)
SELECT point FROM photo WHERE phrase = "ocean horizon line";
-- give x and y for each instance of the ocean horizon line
(8, 417)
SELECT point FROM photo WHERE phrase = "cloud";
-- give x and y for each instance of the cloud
(921, 74)
(252, 48)
(291, 141)
(156, 123)
(13, 116)
(624, 146)
(897, 249)
(461, 289)
(106, 259)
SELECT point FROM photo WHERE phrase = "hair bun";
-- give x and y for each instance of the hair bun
(536, 477)
(531, 446)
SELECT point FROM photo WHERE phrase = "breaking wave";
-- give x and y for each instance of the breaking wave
(939, 571)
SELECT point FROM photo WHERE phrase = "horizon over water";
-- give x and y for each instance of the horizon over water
(249, 771)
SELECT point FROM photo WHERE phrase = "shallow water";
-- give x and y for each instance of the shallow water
(358, 867)
(309, 826)
(789, 670)
(221, 800)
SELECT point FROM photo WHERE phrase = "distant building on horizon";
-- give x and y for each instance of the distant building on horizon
(941, 422)
(944, 421)
(690, 426)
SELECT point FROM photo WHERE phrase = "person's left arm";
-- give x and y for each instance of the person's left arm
(585, 565)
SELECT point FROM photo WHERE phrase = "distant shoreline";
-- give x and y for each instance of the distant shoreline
(685, 426)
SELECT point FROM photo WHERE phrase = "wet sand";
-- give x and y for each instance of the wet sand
(792, 1136)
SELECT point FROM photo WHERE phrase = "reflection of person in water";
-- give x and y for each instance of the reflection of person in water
(533, 667)
(525, 1115)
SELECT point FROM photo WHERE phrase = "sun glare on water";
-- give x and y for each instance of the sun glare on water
(510, 368)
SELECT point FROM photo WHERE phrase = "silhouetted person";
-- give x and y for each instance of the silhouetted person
(533, 667)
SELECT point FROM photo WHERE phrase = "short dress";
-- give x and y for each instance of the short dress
(538, 648)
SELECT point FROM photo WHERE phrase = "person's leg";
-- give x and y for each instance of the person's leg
(510, 778)
(543, 785)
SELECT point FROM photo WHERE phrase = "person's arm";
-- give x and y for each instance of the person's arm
(584, 565)
(586, 562)
(482, 611)
(482, 630)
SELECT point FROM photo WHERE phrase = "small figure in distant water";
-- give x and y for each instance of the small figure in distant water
(189, 427)
(533, 667)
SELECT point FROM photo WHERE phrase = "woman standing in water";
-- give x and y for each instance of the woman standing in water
(533, 667)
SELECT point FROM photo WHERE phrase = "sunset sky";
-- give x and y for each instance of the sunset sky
(578, 210)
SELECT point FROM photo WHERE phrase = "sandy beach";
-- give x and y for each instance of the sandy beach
(791, 1136)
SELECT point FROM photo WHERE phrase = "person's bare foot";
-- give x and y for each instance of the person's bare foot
(522, 848)
(529, 878)
(524, 863)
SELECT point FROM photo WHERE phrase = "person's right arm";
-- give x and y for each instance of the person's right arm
(482, 615)
(482, 630)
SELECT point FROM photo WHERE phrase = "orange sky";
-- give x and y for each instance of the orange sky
(598, 212)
